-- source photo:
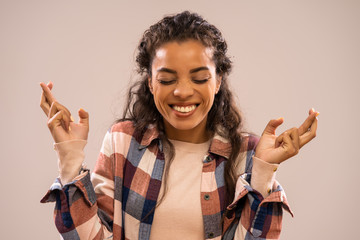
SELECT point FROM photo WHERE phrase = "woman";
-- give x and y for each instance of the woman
(177, 165)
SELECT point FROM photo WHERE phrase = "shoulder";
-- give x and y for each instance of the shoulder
(126, 127)
(126, 130)
(120, 134)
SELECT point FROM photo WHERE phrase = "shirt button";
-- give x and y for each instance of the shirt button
(207, 197)
(211, 235)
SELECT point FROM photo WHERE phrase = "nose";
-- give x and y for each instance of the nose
(183, 89)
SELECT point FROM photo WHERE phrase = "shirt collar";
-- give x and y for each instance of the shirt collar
(150, 135)
(218, 145)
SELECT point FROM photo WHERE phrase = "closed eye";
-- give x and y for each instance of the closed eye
(200, 81)
(166, 82)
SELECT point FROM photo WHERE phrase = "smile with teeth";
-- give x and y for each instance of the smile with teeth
(183, 109)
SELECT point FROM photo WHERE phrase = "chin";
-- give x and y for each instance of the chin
(183, 125)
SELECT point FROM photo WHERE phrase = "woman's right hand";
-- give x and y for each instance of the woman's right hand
(60, 122)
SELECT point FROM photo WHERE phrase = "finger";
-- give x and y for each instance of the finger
(45, 102)
(309, 135)
(50, 85)
(84, 117)
(294, 135)
(272, 125)
(56, 120)
(62, 107)
(308, 122)
(47, 93)
(66, 117)
(279, 140)
(288, 145)
(312, 110)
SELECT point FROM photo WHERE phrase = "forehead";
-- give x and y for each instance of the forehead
(190, 53)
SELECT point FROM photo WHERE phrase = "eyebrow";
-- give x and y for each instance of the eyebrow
(163, 69)
(168, 70)
(198, 69)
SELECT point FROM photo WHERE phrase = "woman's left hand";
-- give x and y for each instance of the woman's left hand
(276, 149)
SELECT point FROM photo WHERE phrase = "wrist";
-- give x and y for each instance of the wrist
(266, 158)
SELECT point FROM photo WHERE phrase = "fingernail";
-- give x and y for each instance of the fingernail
(72, 119)
(317, 114)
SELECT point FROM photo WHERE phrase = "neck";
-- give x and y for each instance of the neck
(199, 134)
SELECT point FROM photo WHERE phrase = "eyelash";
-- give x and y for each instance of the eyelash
(172, 81)
(201, 81)
(167, 82)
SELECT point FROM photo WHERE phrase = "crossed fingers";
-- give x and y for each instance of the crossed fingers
(47, 98)
(56, 113)
(307, 130)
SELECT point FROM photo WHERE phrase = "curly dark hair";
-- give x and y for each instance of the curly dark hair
(223, 118)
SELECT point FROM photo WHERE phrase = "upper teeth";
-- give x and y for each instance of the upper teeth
(184, 109)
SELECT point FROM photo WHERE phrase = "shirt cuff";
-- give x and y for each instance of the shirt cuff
(81, 182)
(263, 176)
(70, 158)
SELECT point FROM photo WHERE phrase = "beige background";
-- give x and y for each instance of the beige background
(288, 56)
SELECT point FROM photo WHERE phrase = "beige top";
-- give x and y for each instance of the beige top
(179, 215)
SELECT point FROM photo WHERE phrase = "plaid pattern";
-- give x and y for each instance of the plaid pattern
(119, 200)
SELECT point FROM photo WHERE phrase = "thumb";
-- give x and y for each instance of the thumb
(272, 125)
(84, 117)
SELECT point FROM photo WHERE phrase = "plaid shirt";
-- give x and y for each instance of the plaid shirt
(119, 200)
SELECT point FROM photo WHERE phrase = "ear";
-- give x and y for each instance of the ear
(218, 83)
(150, 84)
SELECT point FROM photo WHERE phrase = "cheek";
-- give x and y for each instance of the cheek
(210, 102)
(209, 94)
(159, 96)
(211, 99)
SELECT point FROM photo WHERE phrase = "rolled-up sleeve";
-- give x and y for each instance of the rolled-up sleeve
(81, 213)
(251, 216)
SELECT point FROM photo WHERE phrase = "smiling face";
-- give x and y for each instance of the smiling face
(184, 83)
